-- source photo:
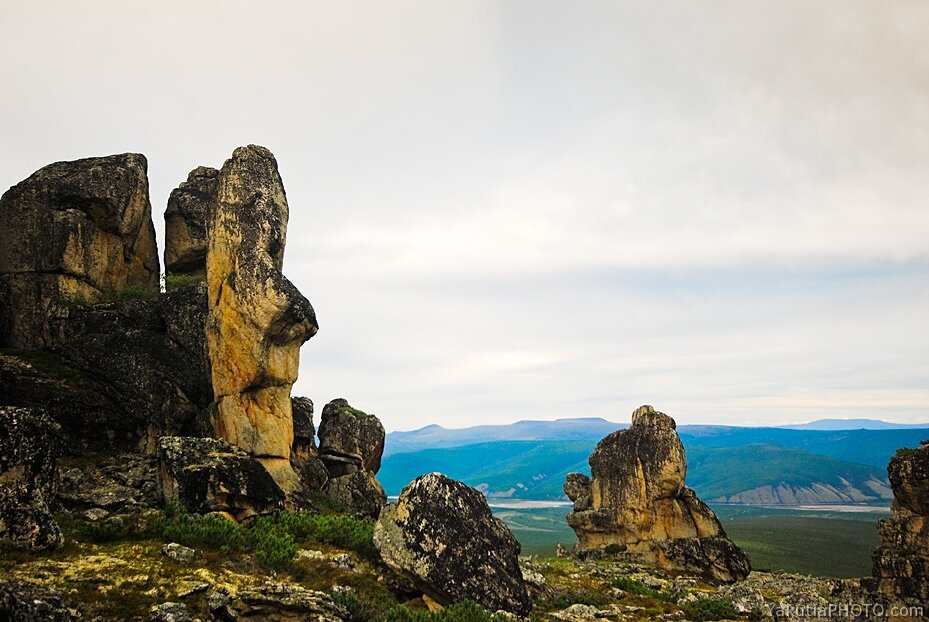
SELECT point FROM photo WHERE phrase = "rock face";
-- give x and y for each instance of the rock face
(147, 356)
(351, 443)
(441, 535)
(28, 479)
(25, 601)
(187, 221)
(257, 319)
(901, 562)
(73, 229)
(209, 475)
(636, 501)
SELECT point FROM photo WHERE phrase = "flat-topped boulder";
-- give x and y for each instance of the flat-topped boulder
(73, 230)
(636, 502)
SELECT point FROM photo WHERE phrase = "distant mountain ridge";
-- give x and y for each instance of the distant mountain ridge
(854, 424)
(726, 464)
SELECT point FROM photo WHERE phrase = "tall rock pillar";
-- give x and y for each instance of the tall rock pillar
(257, 319)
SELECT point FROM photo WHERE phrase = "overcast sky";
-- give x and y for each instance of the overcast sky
(514, 210)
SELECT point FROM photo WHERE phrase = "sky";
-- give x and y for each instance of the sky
(535, 210)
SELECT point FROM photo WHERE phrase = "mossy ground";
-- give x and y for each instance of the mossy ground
(121, 575)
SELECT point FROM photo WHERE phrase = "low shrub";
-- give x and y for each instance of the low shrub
(384, 609)
(707, 609)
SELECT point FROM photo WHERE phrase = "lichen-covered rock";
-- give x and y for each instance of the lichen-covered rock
(257, 318)
(638, 503)
(73, 229)
(169, 612)
(148, 358)
(187, 222)
(124, 483)
(351, 443)
(440, 534)
(24, 601)
(304, 457)
(350, 440)
(28, 479)
(205, 475)
(280, 602)
(901, 562)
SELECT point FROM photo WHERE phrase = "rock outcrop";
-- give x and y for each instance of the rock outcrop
(28, 479)
(73, 230)
(636, 502)
(257, 318)
(440, 535)
(205, 475)
(304, 457)
(148, 357)
(351, 443)
(187, 222)
(901, 562)
(24, 601)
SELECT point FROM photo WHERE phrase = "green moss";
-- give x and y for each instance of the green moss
(385, 609)
(136, 291)
(632, 586)
(175, 281)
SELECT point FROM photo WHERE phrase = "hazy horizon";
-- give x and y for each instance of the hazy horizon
(541, 210)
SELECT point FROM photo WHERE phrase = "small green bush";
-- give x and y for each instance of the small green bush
(561, 601)
(904, 452)
(336, 529)
(205, 532)
(614, 549)
(273, 544)
(707, 609)
(175, 281)
(136, 291)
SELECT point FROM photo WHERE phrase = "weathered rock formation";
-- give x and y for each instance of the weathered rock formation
(205, 475)
(440, 535)
(28, 479)
(257, 318)
(187, 222)
(148, 357)
(24, 601)
(636, 501)
(351, 443)
(304, 457)
(72, 229)
(901, 562)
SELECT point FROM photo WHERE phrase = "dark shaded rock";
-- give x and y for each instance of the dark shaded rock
(125, 483)
(187, 222)
(21, 601)
(148, 357)
(257, 318)
(440, 534)
(205, 475)
(351, 443)
(304, 457)
(73, 229)
(28, 479)
(358, 493)
(45, 381)
(901, 562)
(638, 504)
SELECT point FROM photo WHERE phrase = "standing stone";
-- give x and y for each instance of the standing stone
(28, 479)
(72, 230)
(636, 502)
(441, 535)
(351, 443)
(257, 319)
(901, 562)
(187, 222)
